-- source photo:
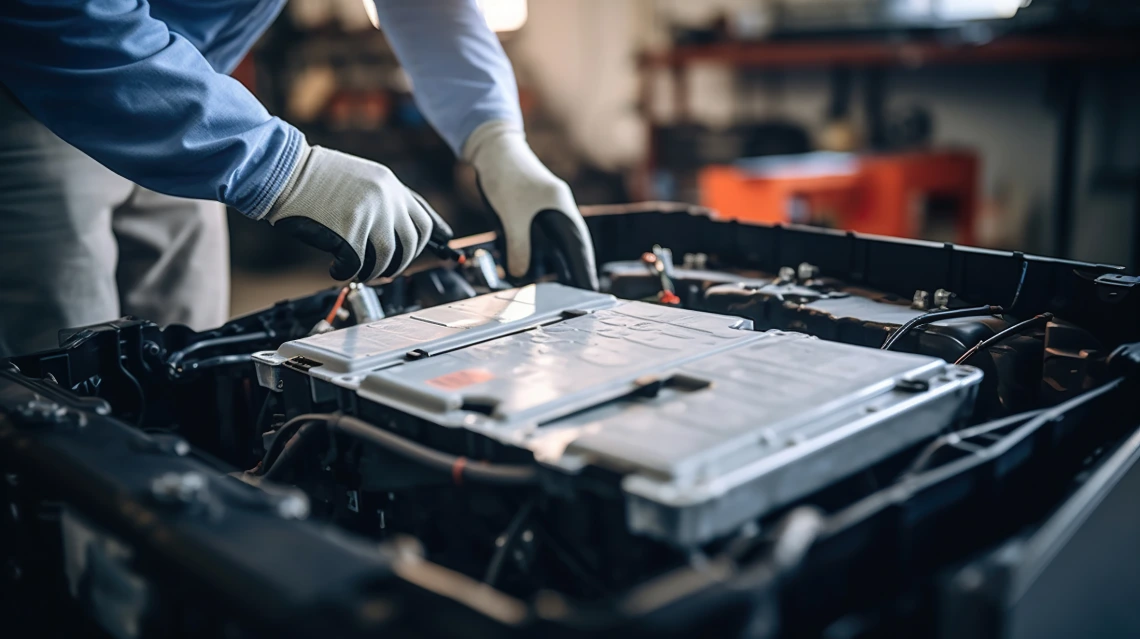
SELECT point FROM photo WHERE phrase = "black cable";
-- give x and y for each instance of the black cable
(294, 449)
(935, 316)
(140, 419)
(459, 467)
(199, 365)
(1020, 283)
(176, 357)
(284, 434)
(1003, 334)
(508, 541)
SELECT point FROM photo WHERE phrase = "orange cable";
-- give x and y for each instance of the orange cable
(336, 307)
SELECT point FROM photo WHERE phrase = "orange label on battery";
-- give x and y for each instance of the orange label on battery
(461, 379)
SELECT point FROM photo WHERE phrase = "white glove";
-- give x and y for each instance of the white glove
(523, 192)
(358, 211)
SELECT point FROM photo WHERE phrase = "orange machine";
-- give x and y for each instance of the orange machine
(881, 194)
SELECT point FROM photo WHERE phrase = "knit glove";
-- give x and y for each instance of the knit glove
(530, 202)
(358, 211)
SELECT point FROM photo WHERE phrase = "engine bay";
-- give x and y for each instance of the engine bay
(793, 432)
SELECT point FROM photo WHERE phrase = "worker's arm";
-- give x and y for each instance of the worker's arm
(464, 84)
(120, 86)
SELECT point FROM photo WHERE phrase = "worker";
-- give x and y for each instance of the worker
(122, 136)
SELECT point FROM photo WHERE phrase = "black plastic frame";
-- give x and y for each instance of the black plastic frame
(104, 469)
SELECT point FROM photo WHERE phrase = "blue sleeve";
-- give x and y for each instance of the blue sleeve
(115, 83)
(461, 76)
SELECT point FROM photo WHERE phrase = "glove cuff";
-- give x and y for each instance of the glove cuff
(291, 183)
(493, 139)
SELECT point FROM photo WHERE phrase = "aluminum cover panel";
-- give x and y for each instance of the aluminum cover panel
(765, 397)
(367, 347)
(530, 378)
(769, 423)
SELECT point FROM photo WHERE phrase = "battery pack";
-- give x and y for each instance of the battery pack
(707, 423)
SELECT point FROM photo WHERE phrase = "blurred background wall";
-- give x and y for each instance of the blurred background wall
(1036, 105)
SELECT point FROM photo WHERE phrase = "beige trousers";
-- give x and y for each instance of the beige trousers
(81, 245)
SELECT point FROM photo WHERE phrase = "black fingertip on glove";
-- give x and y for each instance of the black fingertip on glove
(393, 266)
(550, 232)
(556, 231)
(345, 264)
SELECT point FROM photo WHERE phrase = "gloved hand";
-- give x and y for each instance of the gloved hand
(357, 210)
(524, 194)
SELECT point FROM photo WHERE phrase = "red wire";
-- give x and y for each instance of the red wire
(457, 470)
(336, 307)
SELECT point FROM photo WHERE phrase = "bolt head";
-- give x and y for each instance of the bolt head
(178, 487)
(942, 297)
(920, 301)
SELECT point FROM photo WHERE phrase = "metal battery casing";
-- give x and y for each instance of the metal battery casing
(708, 424)
(343, 357)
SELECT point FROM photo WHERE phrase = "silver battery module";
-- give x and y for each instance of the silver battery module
(343, 357)
(707, 423)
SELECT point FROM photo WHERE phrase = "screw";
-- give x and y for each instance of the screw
(942, 298)
(920, 300)
(787, 274)
(807, 271)
(178, 487)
